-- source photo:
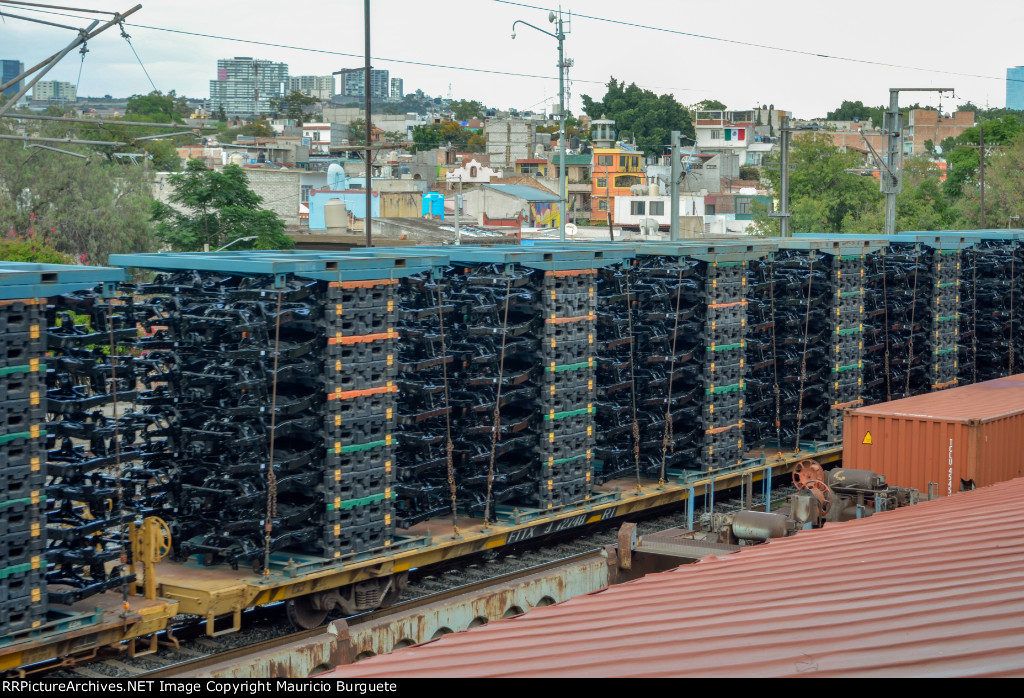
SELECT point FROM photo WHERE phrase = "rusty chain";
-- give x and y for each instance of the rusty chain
(668, 439)
(803, 355)
(885, 306)
(775, 358)
(632, 381)
(449, 446)
(268, 525)
(913, 312)
(496, 431)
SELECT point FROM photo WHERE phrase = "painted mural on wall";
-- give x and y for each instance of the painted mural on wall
(544, 215)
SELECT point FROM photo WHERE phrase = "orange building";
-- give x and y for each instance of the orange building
(614, 171)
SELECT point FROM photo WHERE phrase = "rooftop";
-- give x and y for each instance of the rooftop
(936, 589)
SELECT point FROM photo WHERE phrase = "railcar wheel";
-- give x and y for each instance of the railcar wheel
(304, 614)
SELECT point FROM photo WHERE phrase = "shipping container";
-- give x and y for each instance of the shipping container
(962, 438)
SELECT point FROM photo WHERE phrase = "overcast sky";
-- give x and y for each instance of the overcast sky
(932, 43)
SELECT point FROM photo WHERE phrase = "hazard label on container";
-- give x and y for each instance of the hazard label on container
(867, 438)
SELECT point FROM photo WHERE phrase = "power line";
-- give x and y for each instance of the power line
(308, 49)
(768, 47)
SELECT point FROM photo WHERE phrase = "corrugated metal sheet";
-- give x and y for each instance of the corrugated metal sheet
(932, 590)
(973, 434)
(989, 400)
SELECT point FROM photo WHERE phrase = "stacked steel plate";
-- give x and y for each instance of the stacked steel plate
(22, 464)
(360, 371)
(846, 339)
(567, 391)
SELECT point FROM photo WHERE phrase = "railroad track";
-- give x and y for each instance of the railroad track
(267, 627)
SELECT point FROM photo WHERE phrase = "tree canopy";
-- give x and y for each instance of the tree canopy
(436, 135)
(86, 207)
(639, 113)
(464, 110)
(157, 107)
(215, 208)
(295, 105)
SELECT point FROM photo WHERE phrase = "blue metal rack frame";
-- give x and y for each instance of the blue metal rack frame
(28, 280)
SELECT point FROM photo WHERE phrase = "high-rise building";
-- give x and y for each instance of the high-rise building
(10, 69)
(1015, 87)
(351, 84)
(244, 86)
(397, 89)
(54, 91)
(319, 86)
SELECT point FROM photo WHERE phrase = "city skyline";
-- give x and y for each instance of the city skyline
(708, 55)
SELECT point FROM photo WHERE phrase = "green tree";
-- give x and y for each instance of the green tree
(464, 110)
(647, 117)
(824, 195)
(709, 105)
(214, 208)
(963, 162)
(30, 248)
(848, 111)
(1004, 188)
(426, 137)
(86, 207)
(161, 108)
(295, 106)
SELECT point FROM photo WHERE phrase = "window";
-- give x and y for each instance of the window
(716, 134)
(626, 181)
(602, 204)
(472, 171)
(622, 162)
(606, 160)
(635, 162)
(304, 190)
(636, 208)
(709, 209)
(742, 205)
(602, 182)
(657, 208)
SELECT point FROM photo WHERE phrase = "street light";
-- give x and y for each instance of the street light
(238, 240)
(559, 36)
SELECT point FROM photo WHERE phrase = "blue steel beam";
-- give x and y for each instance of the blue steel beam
(28, 280)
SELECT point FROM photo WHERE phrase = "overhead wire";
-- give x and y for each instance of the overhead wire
(751, 44)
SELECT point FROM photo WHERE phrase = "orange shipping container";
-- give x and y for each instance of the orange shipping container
(972, 435)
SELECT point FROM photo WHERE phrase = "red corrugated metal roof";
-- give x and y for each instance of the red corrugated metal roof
(988, 400)
(931, 590)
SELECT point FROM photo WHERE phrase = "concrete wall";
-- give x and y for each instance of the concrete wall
(401, 204)
(508, 140)
(280, 192)
(481, 201)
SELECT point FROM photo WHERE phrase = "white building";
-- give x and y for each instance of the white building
(319, 136)
(54, 91)
(319, 86)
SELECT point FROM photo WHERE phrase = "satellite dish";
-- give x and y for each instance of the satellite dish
(551, 17)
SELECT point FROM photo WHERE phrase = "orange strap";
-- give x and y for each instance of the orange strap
(361, 338)
(939, 386)
(719, 430)
(26, 301)
(563, 320)
(726, 305)
(570, 272)
(844, 405)
(363, 284)
(349, 394)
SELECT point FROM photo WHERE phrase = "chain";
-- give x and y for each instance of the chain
(496, 431)
(668, 441)
(268, 525)
(449, 447)
(974, 318)
(885, 305)
(1013, 279)
(803, 356)
(632, 381)
(913, 311)
(775, 358)
(124, 558)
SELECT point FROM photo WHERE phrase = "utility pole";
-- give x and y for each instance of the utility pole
(458, 205)
(891, 176)
(673, 190)
(981, 148)
(559, 36)
(785, 135)
(369, 126)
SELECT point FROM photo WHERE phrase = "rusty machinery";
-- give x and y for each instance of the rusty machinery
(821, 497)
